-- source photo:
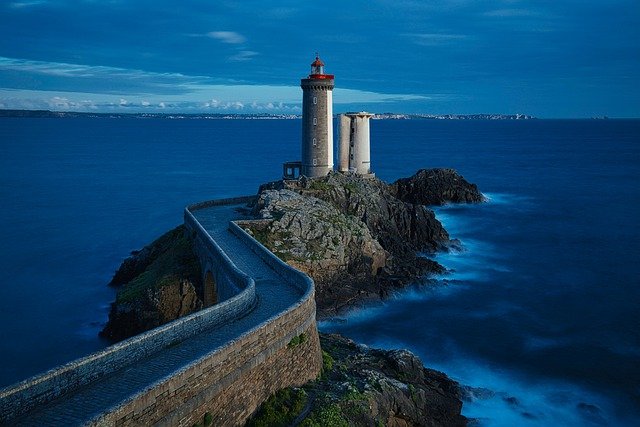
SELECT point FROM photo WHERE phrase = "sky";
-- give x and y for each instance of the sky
(547, 58)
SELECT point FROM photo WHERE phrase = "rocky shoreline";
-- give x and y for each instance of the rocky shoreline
(360, 239)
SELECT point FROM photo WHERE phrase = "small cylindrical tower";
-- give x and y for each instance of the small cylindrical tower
(354, 145)
(344, 140)
(317, 121)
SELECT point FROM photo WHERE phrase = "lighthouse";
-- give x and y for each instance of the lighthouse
(317, 121)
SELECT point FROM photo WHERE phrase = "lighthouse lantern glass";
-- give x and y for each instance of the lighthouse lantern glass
(317, 69)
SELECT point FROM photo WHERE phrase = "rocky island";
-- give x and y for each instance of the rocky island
(360, 239)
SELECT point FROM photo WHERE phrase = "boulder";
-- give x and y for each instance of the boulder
(436, 187)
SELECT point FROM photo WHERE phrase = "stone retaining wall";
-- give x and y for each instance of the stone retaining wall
(228, 278)
(20, 398)
(233, 380)
(229, 383)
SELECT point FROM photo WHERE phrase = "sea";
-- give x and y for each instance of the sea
(538, 314)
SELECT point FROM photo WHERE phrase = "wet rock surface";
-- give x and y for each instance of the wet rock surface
(352, 235)
(436, 187)
(157, 284)
(359, 239)
(367, 387)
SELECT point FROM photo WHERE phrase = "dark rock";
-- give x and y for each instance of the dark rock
(351, 235)
(139, 260)
(436, 187)
(310, 234)
(168, 287)
(365, 387)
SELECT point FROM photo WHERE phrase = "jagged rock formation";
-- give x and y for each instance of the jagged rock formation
(335, 249)
(436, 187)
(352, 235)
(158, 283)
(364, 386)
(358, 238)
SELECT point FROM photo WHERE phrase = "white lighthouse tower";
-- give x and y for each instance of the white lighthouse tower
(317, 121)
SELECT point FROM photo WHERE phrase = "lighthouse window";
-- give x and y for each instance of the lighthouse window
(315, 99)
(315, 121)
(315, 142)
(315, 162)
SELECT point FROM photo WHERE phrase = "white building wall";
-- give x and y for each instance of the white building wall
(344, 127)
(361, 161)
(330, 129)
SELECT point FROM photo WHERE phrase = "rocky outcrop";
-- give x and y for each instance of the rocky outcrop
(399, 226)
(158, 284)
(365, 386)
(310, 234)
(357, 237)
(352, 235)
(436, 187)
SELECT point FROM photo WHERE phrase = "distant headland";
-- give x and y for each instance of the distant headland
(256, 116)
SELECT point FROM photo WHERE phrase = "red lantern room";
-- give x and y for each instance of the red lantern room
(317, 70)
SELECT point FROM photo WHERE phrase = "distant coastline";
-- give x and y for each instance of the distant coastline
(256, 116)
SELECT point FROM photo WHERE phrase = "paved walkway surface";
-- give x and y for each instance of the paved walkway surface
(274, 296)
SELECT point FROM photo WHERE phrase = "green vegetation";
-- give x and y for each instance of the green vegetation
(327, 416)
(319, 185)
(208, 419)
(297, 340)
(174, 259)
(280, 409)
(354, 404)
(206, 422)
(351, 187)
(327, 362)
(268, 238)
(412, 393)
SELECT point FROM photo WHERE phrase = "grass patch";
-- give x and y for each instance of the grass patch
(328, 416)
(319, 186)
(351, 187)
(176, 260)
(327, 362)
(280, 409)
(297, 340)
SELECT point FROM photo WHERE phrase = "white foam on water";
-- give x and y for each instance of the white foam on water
(506, 198)
(496, 396)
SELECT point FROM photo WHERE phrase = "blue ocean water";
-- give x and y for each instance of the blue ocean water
(540, 308)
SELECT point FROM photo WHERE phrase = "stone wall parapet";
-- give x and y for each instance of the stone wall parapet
(23, 396)
(229, 382)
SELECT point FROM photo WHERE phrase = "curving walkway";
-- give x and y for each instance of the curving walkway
(274, 296)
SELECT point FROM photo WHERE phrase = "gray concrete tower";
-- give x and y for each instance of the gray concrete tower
(317, 122)
(354, 152)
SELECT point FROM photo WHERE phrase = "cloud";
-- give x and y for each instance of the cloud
(351, 96)
(25, 4)
(229, 37)
(435, 39)
(243, 55)
(143, 90)
(63, 69)
(79, 77)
